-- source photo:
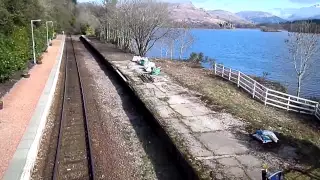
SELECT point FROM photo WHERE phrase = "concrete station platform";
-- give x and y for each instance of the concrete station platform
(206, 139)
(24, 115)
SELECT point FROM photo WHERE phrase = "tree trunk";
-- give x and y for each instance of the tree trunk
(104, 33)
(182, 44)
(299, 85)
(181, 52)
(108, 32)
(142, 53)
(117, 37)
(123, 39)
(141, 50)
(171, 50)
(100, 34)
(112, 36)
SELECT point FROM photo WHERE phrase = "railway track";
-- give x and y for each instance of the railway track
(73, 159)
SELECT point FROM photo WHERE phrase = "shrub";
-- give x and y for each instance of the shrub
(90, 31)
(51, 33)
(198, 58)
(209, 61)
(16, 49)
(7, 65)
(40, 38)
(84, 28)
(193, 56)
(22, 48)
(270, 84)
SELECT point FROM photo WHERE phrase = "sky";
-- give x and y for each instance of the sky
(234, 6)
(253, 5)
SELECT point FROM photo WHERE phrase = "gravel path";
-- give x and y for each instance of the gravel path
(19, 105)
(124, 145)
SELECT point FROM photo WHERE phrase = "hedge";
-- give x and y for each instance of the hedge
(16, 49)
(40, 36)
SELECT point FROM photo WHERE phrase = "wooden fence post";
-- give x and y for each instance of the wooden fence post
(254, 89)
(222, 71)
(288, 107)
(239, 78)
(230, 74)
(215, 68)
(266, 97)
(317, 108)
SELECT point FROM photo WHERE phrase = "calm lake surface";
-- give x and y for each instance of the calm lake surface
(253, 52)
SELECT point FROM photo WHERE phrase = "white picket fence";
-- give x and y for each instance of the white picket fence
(318, 111)
(266, 95)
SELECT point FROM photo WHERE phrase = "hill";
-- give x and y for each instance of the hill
(312, 12)
(228, 16)
(189, 14)
(197, 17)
(259, 17)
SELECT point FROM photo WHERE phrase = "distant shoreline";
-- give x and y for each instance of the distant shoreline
(254, 28)
(271, 31)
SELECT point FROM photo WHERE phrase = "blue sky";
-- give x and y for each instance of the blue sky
(255, 5)
(242, 5)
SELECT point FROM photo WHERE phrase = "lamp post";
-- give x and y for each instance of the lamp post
(33, 44)
(52, 30)
(48, 32)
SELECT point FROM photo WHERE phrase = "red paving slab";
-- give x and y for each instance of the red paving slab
(20, 103)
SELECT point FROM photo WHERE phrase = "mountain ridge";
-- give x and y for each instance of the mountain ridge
(308, 12)
(187, 12)
(228, 16)
(199, 17)
(260, 17)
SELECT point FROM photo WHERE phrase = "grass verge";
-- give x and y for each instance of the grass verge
(294, 130)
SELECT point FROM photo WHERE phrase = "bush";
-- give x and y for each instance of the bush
(7, 65)
(270, 84)
(51, 33)
(90, 31)
(16, 49)
(22, 48)
(40, 38)
(83, 29)
(198, 58)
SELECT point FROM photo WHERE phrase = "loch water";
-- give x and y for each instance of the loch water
(253, 52)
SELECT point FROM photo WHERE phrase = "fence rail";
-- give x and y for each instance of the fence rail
(318, 111)
(268, 96)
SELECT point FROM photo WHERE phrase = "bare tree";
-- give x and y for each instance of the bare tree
(177, 39)
(171, 41)
(302, 45)
(131, 24)
(164, 47)
(184, 40)
(147, 21)
(161, 48)
(171, 47)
